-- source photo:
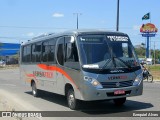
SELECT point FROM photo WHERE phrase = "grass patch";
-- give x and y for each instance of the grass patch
(154, 70)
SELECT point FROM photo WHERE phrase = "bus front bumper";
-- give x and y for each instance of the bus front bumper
(91, 93)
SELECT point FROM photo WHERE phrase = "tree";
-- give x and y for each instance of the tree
(140, 52)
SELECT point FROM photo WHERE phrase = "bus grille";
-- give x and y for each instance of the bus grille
(114, 84)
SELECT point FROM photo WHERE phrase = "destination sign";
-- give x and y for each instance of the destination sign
(117, 38)
(91, 39)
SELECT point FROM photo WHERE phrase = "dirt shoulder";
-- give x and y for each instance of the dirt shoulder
(9, 67)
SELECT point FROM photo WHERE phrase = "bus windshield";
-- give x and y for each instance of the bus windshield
(106, 52)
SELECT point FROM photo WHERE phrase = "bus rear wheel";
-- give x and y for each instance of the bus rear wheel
(71, 100)
(119, 101)
(34, 90)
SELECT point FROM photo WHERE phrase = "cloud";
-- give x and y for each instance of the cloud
(136, 27)
(57, 15)
(30, 34)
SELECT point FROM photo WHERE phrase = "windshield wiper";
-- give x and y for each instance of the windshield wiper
(129, 66)
(111, 59)
(106, 63)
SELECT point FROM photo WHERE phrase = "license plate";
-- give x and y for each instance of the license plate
(119, 92)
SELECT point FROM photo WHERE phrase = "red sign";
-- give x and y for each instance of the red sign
(119, 92)
(148, 28)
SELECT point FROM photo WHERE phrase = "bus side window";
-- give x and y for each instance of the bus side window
(45, 51)
(60, 51)
(48, 51)
(33, 53)
(71, 54)
(51, 51)
(36, 52)
(26, 54)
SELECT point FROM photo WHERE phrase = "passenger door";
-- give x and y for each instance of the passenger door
(60, 63)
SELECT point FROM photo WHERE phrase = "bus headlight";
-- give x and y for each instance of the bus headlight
(93, 81)
(138, 80)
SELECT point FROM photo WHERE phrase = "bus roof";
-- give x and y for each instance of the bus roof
(90, 31)
(72, 32)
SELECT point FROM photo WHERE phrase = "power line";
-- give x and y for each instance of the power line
(28, 27)
(56, 28)
(1, 37)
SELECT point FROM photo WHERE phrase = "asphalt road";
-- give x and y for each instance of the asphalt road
(12, 87)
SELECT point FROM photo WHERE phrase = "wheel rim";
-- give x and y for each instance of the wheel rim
(34, 89)
(34, 92)
(150, 78)
(71, 100)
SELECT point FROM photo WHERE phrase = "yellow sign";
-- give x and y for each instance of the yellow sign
(148, 28)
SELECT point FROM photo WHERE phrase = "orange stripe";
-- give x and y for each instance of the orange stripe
(30, 75)
(28, 80)
(54, 68)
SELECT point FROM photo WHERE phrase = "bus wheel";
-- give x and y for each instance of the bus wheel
(71, 100)
(34, 89)
(119, 101)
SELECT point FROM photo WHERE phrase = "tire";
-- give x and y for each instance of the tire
(71, 100)
(119, 101)
(34, 90)
(150, 78)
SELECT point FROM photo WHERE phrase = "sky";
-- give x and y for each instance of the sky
(22, 20)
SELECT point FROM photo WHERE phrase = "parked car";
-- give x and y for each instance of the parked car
(142, 60)
(149, 61)
(2, 63)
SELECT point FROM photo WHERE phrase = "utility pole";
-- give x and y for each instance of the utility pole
(117, 26)
(154, 53)
(77, 14)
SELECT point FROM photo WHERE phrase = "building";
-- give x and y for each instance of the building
(8, 50)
